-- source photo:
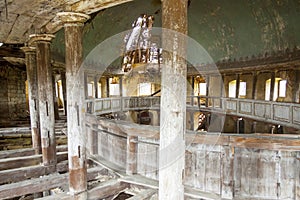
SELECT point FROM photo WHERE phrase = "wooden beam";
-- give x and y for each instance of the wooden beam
(11, 52)
(16, 153)
(33, 186)
(23, 173)
(108, 165)
(153, 184)
(144, 195)
(41, 184)
(107, 189)
(17, 162)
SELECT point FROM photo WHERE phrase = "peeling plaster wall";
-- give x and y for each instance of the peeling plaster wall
(226, 29)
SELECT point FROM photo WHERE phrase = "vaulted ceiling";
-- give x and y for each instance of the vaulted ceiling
(226, 29)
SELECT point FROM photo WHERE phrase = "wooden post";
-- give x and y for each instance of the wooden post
(173, 101)
(73, 25)
(45, 94)
(64, 89)
(31, 69)
(254, 83)
(55, 99)
(237, 86)
(131, 161)
(272, 86)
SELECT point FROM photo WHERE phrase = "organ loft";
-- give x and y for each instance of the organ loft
(146, 100)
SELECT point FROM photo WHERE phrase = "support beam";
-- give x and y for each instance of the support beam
(23, 173)
(17, 162)
(64, 89)
(73, 25)
(45, 94)
(147, 194)
(41, 184)
(107, 189)
(173, 100)
(31, 69)
(131, 161)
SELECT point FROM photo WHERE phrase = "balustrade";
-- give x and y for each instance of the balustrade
(286, 114)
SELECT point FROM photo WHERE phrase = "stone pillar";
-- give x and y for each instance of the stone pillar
(31, 69)
(45, 94)
(173, 101)
(73, 25)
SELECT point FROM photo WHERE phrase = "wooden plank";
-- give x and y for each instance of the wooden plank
(33, 186)
(42, 184)
(10, 163)
(17, 162)
(107, 189)
(198, 194)
(16, 153)
(144, 195)
(26, 152)
(21, 174)
(140, 180)
(108, 165)
(153, 184)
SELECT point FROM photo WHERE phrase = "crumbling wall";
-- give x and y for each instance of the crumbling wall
(13, 103)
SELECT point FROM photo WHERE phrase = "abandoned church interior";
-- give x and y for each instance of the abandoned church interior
(150, 99)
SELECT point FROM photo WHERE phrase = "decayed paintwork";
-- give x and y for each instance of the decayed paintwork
(73, 23)
(45, 96)
(173, 98)
(31, 69)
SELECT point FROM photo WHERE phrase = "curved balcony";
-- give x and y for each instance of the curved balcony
(285, 114)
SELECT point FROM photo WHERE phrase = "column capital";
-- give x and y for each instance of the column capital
(28, 49)
(72, 18)
(40, 38)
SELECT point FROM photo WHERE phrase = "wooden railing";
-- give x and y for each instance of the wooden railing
(286, 114)
(232, 166)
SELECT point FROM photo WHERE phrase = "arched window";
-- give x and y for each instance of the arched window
(144, 89)
(232, 89)
(279, 89)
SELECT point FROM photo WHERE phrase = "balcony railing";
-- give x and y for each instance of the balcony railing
(286, 114)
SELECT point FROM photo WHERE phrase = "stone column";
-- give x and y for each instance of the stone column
(45, 94)
(73, 25)
(31, 69)
(173, 101)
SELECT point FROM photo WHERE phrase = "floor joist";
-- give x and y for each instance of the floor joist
(24, 161)
(41, 184)
(24, 173)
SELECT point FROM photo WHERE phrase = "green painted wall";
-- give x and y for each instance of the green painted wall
(225, 28)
